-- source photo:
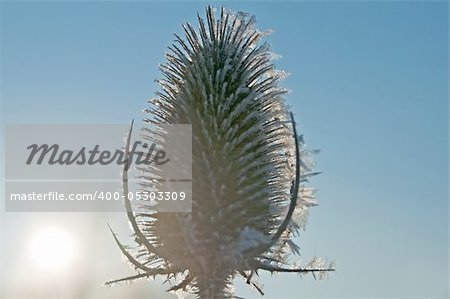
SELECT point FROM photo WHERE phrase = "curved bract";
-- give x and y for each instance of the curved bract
(249, 166)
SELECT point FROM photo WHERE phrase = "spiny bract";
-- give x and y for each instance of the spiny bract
(249, 167)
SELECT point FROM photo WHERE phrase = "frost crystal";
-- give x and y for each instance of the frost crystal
(249, 238)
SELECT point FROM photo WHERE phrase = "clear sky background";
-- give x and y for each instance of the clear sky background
(369, 88)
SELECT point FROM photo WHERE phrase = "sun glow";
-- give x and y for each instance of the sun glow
(52, 248)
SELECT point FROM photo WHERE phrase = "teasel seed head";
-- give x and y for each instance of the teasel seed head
(250, 169)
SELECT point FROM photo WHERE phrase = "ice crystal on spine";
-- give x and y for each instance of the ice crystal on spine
(249, 166)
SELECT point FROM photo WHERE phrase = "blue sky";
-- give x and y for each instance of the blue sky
(369, 88)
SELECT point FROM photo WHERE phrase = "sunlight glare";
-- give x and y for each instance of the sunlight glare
(52, 248)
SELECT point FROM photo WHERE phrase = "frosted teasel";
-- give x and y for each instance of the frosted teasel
(250, 168)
